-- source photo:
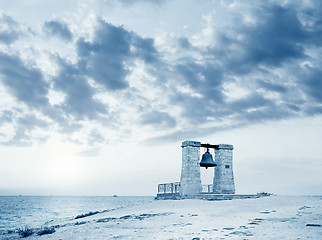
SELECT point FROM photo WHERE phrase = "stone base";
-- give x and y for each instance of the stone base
(209, 196)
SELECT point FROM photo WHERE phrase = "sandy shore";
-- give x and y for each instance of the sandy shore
(274, 217)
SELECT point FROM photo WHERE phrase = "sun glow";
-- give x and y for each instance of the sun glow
(65, 170)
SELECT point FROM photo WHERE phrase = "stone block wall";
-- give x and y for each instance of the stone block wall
(224, 176)
(190, 172)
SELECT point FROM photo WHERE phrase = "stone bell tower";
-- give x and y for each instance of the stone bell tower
(223, 176)
(190, 183)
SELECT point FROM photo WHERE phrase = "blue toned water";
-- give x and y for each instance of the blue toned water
(35, 211)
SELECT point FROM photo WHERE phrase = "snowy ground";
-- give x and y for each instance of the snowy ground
(274, 217)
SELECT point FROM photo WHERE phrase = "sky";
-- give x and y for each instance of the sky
(97, 95)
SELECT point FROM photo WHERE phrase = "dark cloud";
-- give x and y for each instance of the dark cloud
(108, 57)
(26, 84)
(311, 80)
(270, 86)
(105, 58)
(313, 110)
(205, 79)
(30, 121)
(184, 43)
(157, 119)
(194, 109)
(251, 101)
(311, 17)
(204, 96)
(79, 101)
(130, 2)
(9, 31)
(145, 50)
(59, 29)
(276, 37)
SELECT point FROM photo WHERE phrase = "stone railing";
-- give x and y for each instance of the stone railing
(207, 188)
(174, 187)
(169, 188)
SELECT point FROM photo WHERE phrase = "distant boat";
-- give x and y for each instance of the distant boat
(115, 195)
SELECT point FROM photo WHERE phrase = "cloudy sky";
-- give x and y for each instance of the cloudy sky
(97, 95)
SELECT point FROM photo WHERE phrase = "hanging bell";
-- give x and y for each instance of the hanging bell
(206, 160)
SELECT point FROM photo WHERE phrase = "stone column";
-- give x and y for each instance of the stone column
(190, 183)
(224, 176)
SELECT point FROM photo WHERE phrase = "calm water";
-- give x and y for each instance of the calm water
(34, 211)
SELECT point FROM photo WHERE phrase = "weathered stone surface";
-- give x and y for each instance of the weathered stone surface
(190, 143)
(190, 172)
(223, 176)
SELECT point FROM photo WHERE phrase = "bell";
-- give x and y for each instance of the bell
(207, 161)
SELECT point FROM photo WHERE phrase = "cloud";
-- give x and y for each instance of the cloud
(131, 2)
(263, 57)
(25, 83)
(276, 36)
(6, 116)
(20, 139)
(95, 137)
(204, 79)
(108, 57)
(157, 119)
(93, 152)
(24, 123)
(262, 65)
(105, 58)
(184, 43)
(190, 133)
(312, 83)
(270, 86)
(9, 31)
(30, 121)
(79, 101)
(144, 49)
(58, 28)
(251, 101)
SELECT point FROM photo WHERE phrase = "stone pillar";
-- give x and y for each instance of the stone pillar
(190, 183)
(224, 176)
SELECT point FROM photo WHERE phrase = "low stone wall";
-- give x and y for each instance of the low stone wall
(168, 196)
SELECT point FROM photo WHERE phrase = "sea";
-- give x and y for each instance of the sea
(17, 212)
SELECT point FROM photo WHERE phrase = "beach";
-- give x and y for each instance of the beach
(273, 217)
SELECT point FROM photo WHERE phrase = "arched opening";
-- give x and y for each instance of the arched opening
(207, 175)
